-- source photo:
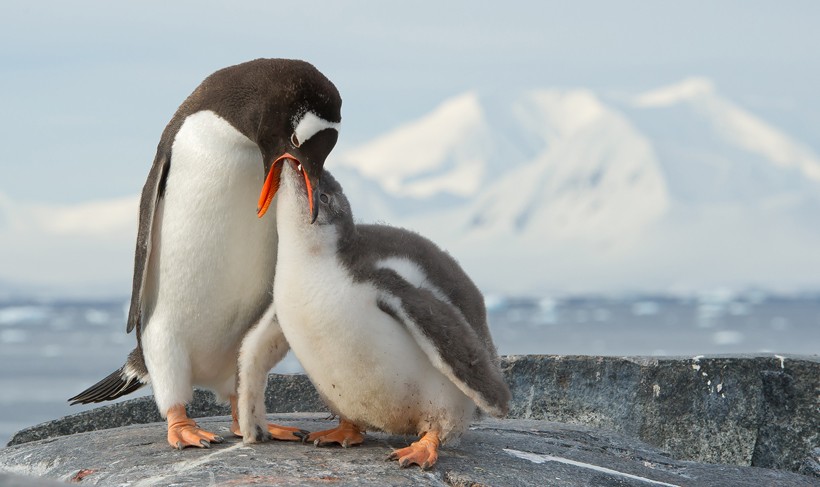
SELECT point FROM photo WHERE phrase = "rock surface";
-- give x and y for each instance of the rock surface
(493, 452)
(759, 411)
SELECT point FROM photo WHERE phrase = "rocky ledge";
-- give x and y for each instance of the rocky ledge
(494, 452)
(739, 411)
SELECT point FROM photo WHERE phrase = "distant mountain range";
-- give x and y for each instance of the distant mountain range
(674, 190)
(548, 191)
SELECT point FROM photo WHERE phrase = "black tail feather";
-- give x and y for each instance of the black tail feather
(112, 387)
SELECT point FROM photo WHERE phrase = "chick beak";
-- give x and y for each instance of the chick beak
(312, 194)
(271, 185)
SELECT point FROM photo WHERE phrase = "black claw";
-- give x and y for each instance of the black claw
(179, 445)
(205, 443)
(301, 434)
(218, 439)
(262, 435)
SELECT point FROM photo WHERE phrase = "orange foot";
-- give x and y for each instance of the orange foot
(423, 453)
(183, 431)
(275, 431)
(346, 434)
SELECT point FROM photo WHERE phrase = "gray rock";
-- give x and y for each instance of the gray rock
(284, 394)
(760, 411)
(493, 452)
(743, 410)
(11, 480)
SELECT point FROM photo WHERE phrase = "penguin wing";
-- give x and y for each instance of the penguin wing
(448, 340)
(151, 193)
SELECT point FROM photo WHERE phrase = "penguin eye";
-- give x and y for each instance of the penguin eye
(294, 140)
(324, 199)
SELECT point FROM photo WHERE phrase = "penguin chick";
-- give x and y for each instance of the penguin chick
(388, 327)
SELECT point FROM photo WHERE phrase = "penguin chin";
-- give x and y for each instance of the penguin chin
(295, 183)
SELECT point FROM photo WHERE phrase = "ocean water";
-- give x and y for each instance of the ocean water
(49, 351)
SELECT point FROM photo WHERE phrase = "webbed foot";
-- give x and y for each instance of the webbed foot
(346, 434)
(183, 431)
(423, 453)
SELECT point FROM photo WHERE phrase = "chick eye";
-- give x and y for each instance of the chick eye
(323, 198)
(294, 140)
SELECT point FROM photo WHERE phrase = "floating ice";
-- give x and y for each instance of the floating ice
(13, 336)
(22, 314)
(494, 302)
(645, 308)
(727, 337)
(779, 323)
(737, 308)
(96, 317)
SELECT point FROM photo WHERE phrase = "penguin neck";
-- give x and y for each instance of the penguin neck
(299, 239)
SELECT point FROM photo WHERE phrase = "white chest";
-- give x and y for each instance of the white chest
(213, 260)
(363, 362)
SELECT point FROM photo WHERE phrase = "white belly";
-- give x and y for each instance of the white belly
(212, 261)
(363, 362)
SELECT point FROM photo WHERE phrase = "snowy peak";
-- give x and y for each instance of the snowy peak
(540, 191)
(560, 161)
(596, 175)
(731, 125)
(687, 90)
(559, 114)
(443, 152)
(570, 189)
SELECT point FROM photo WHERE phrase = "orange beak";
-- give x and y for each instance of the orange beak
(271, 185)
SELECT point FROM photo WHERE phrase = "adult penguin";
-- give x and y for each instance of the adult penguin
(205, 257)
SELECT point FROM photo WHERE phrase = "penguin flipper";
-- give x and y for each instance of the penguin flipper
(111, 387)
(123, 381)
(152, 191)
(448, 340)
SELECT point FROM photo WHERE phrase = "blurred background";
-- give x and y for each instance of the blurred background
(627, 178)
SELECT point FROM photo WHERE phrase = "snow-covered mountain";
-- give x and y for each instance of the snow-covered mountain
(675, 189)
(568, 190)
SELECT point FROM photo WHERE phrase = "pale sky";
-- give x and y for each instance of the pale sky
(88, 86)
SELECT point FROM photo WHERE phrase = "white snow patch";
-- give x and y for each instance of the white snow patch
(670, 95)
(734, 124)
(443, 152)
(782, 361)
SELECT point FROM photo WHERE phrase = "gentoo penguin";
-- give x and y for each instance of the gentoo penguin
(205, 258)
(388, 327)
